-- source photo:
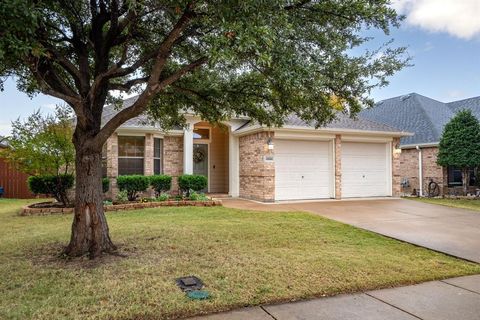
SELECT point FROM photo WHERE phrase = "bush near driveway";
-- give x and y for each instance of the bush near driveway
(244, 258)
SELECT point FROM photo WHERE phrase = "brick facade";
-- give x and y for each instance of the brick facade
(112, 165)
(173, 158)
(396, 168)
(257, 176)
(430, 169)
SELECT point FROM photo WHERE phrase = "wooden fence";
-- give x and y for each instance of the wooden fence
(13, 182)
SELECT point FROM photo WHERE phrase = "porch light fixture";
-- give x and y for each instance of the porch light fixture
(397, 149)
(270, 144)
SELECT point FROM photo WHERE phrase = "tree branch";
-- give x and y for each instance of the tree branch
(140, 105)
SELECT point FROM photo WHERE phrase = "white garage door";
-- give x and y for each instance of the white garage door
(365, 170)
(302, 170)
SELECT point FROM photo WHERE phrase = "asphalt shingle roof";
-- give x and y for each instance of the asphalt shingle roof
(345, 122)
(342, 121)
(421, 115)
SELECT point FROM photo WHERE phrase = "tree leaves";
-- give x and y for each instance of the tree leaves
(460, 143)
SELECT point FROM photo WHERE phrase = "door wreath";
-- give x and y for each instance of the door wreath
(198, 156)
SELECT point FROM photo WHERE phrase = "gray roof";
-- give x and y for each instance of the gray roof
(141, 121)
(341, 122)
(421, 115)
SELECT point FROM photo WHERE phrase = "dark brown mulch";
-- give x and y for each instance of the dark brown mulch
(49, 204)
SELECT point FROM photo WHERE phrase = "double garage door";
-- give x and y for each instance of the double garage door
(305, 170)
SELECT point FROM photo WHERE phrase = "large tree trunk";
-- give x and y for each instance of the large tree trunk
(89, 230)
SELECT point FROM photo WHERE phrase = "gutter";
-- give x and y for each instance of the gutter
(258, 128)
(421, 145)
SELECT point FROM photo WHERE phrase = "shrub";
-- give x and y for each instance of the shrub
(55, 185)
(161, 183)
(193, 182)
(122, 196)
(105, 184)
(162, 197)
(133, 184)
(195, 196)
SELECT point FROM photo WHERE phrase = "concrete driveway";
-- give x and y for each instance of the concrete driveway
(449, 230)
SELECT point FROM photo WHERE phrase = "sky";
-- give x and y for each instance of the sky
(443, 40)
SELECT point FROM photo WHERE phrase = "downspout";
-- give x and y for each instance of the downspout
(420, 170)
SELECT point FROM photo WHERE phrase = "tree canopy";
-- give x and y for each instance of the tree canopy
(42, 145)
(460, 142)
(264, 59)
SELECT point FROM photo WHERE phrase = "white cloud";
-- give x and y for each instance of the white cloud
(459, 18)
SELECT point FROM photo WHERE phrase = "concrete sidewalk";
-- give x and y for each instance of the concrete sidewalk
(457, 298)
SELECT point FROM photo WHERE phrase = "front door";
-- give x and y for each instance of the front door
(200, 160)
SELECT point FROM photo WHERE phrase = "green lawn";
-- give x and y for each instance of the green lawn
(473, 204)
(245, 258)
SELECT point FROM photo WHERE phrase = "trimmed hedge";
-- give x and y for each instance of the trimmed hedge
(133, 184)
(54, 185)
(105, 184)
(193, 182)
(161, 183)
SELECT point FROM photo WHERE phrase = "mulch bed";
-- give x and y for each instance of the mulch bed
(43, 208)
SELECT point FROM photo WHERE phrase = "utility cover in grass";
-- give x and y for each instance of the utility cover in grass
(190, 283)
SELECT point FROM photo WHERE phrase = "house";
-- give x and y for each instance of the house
(347, 158)
(426, 118)
(13, 182)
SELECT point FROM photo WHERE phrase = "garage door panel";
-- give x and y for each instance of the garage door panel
(365, 170)
(302, 170)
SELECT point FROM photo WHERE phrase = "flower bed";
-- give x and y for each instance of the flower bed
(44, 210)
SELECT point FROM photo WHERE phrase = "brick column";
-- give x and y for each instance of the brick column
(148, 156)
(112, 164)
(256, 172)
(396, 171)
(173, 158)
(338, 167)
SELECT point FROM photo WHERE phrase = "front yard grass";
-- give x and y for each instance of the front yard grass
(245, 258)
(471, 204)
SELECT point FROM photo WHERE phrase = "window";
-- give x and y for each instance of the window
(130, 155)
(201, 133)
(455, 177)
(157, 156)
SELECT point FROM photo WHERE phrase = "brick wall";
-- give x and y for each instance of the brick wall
(112, 165)
(430, 169)
(396, 168)
(173, 158)
(257, 177)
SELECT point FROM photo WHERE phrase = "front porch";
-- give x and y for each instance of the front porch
(200, 148)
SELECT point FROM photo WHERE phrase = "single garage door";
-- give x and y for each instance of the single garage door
(302, 170)
(365, 170)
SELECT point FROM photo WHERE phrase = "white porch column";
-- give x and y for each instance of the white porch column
(188, 149)
(233, 167)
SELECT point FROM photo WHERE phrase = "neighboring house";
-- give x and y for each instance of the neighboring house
(347, 158)
(426, 118)
(13, 182)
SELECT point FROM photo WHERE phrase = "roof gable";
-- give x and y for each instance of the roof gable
(424, 116)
